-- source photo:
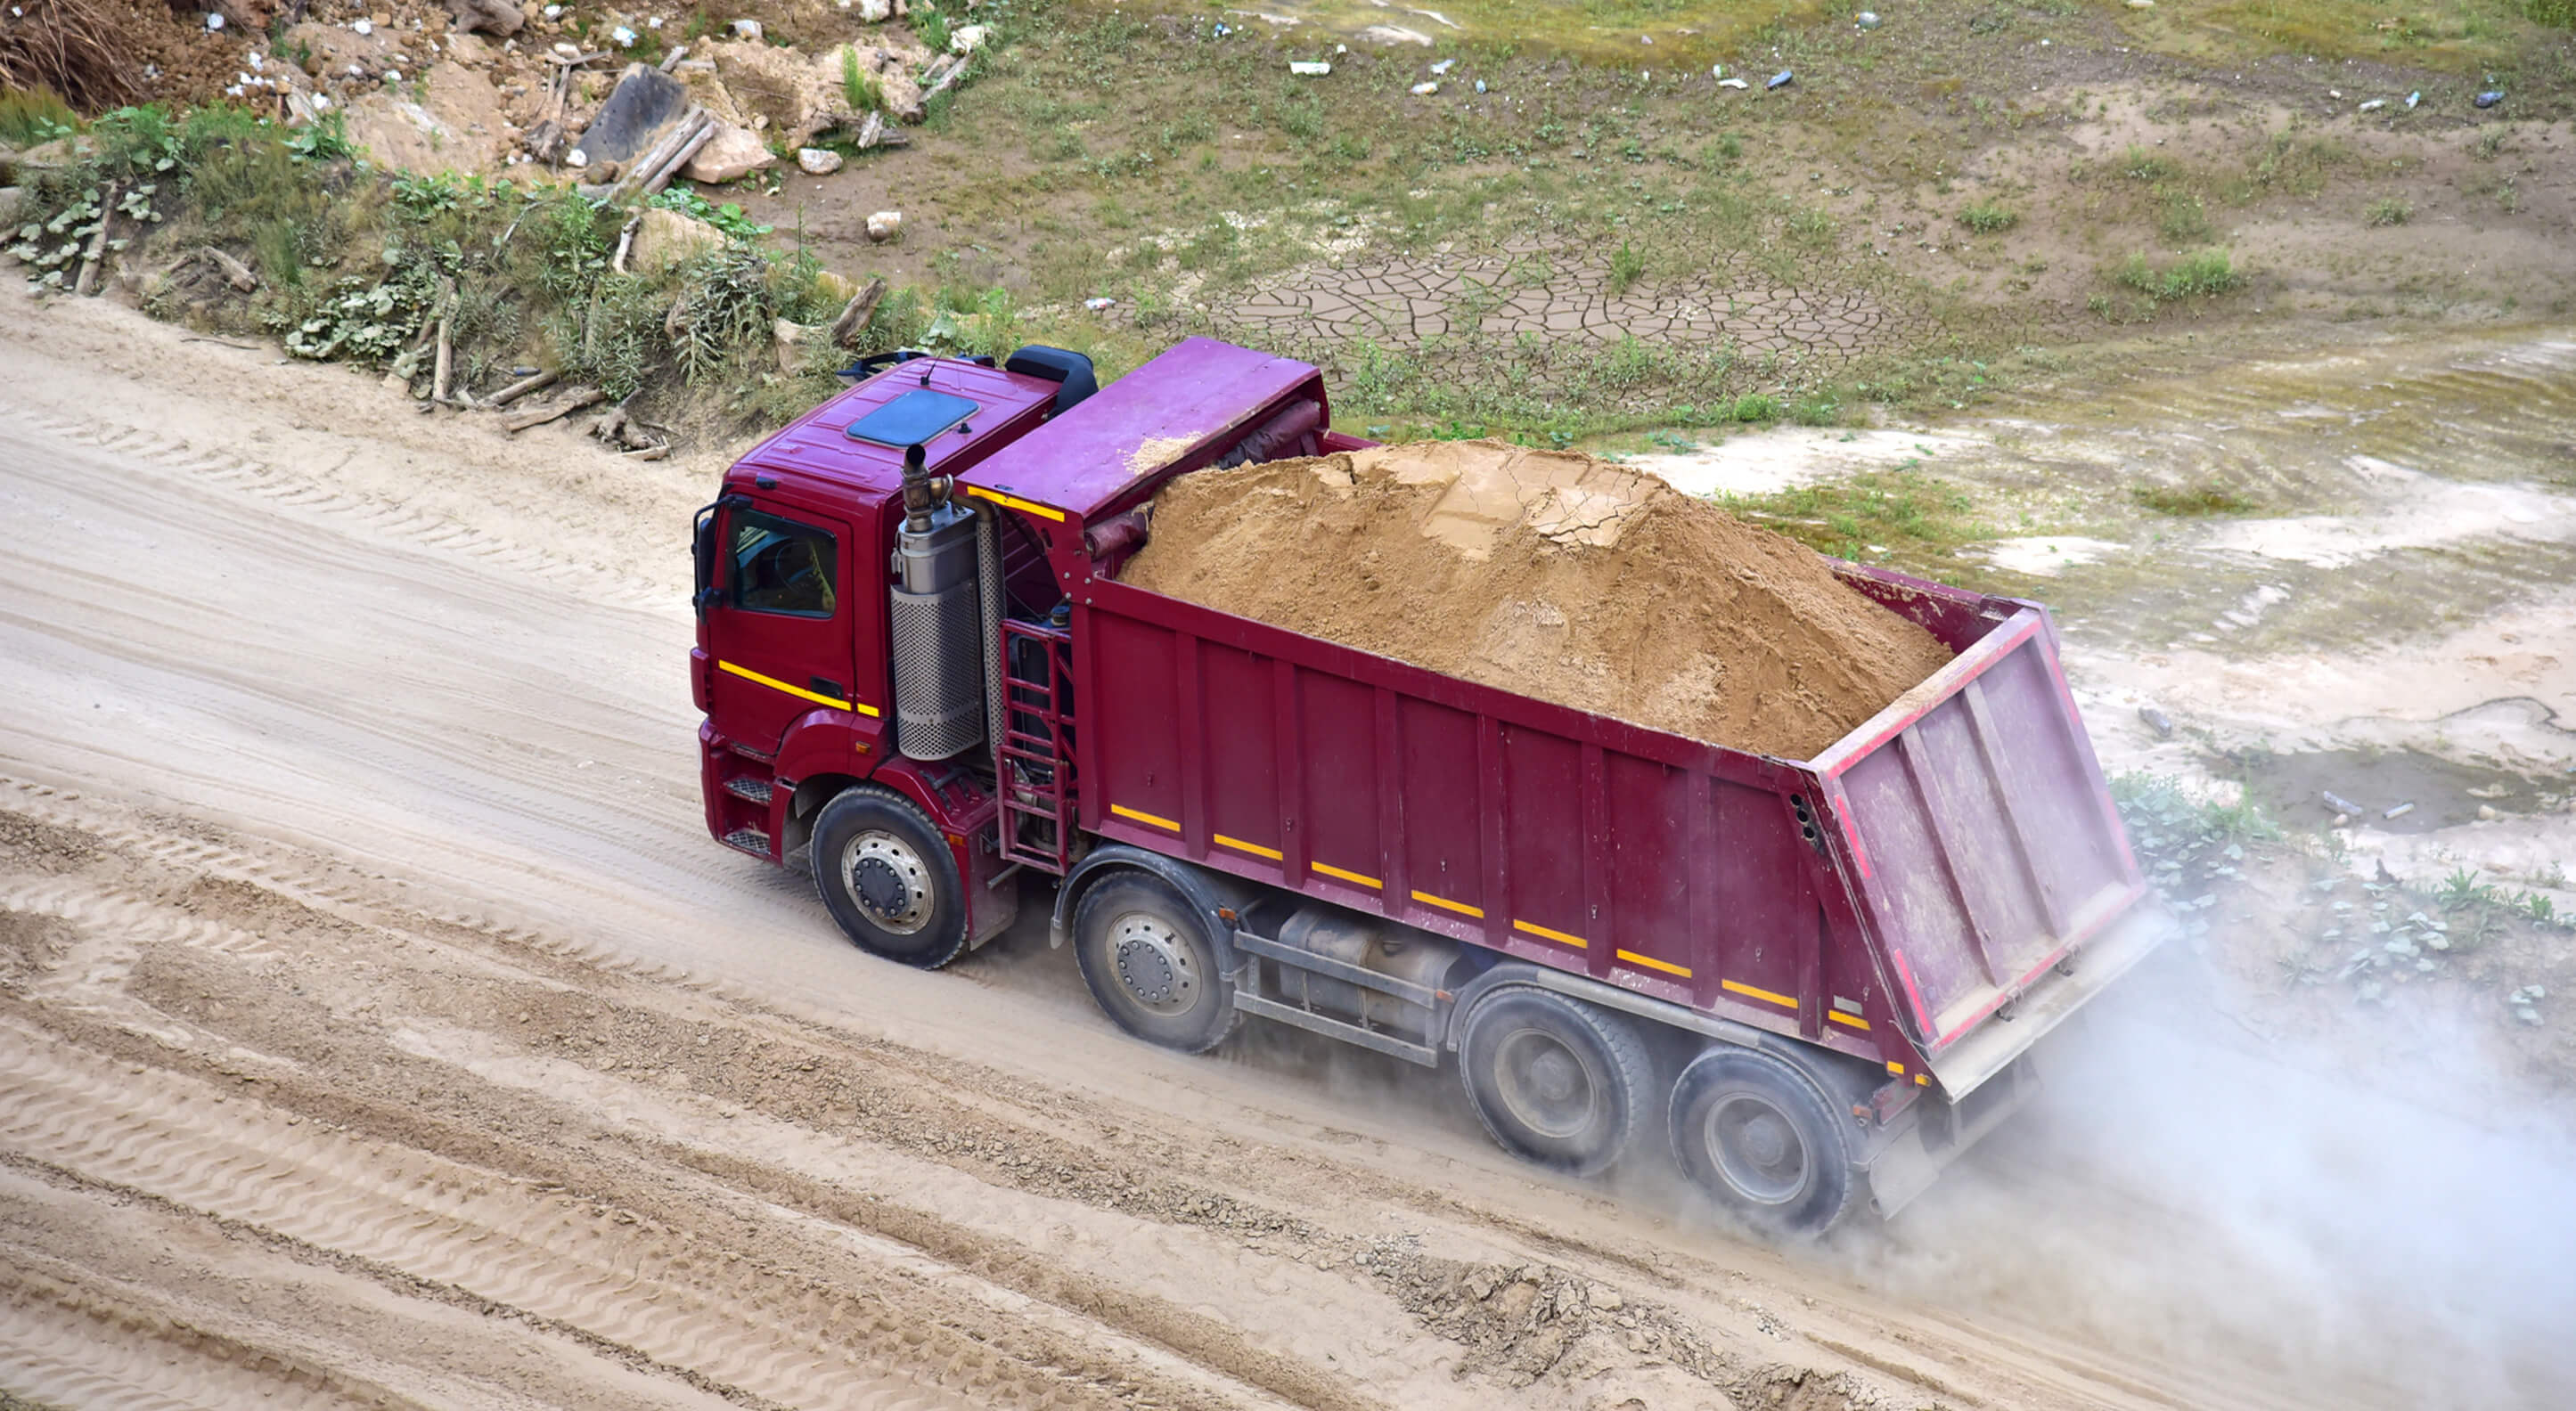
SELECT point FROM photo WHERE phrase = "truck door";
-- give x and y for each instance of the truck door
(779, 623)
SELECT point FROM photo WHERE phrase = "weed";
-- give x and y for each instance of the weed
(2191, 500)
(1813, 226)
(33, 115)
(1756, 406)
(2139, 164)
(1899, 509)
(1987, 218)
(859, 87)
(930, 27)
(727, 217)
(2205, 274)
(2490, 141)
(2559, 14)
(2388, 210)
(1627, 266)
(2183, 221)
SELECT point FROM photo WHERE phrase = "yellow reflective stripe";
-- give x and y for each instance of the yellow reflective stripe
(1896, 1068)
(1015, 502)
(798, 692)
(1558, 936)
(1124, 811)
(1743, 989)
(1239, 845)
(1459, 907)
(1922, 1080)
(1839, 1017)
(1356, 878)
(1651, 963)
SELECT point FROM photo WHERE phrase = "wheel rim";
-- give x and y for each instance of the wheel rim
(888, 880)
(1758, 1149)
(1544, 1084)
(1154, 965)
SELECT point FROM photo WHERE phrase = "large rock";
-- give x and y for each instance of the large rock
(732, 154)
(644, 103)
(457, 126)
(707, 90)
(796, 96)
(666, 238)
(490, 16)
(818, 161)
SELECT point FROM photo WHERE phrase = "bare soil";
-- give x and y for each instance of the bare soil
(1549, 573)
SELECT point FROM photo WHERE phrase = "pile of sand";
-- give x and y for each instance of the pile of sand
(1546, 573)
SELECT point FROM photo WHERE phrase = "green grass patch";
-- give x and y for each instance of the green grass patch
(32, 115)
(1987, 218)
(2388, 210)
(2204, 499)
(1909, 513)
(2204, 274)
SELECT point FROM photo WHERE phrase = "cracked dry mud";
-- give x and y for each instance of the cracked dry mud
(378, 1027)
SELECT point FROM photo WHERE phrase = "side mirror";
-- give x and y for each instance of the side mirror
(702, 547)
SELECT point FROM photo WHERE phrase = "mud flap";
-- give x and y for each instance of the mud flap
(1930, 1134)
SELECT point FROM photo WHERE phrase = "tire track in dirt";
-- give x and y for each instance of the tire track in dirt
(67, 1345)
(387, 517)
(429, 1218)
(673, 1297)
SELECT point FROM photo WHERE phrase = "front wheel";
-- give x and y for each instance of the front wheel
(1555, 1081)
(887, 876)
(1757, 1134)
(1146, 956)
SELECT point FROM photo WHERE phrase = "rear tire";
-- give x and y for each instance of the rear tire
(1147, 959)
(1555, 1081)
(1757, 1134)
(888, 877)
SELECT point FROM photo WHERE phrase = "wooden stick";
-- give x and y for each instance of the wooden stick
(647, 453)
(855, 314)
(442, 381)
(523, 387)
(654, 170)
(946, 81)
(235, 273)
(92, 258)
(580, 398)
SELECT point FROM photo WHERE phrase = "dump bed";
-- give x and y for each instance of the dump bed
(1887, 898)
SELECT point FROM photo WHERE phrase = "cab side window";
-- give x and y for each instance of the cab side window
(780, 566)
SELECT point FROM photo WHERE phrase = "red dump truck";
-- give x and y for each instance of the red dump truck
(1817, 977)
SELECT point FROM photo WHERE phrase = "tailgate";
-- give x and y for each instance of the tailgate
(1984, 846)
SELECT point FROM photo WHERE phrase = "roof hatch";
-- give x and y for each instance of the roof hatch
(912, 418)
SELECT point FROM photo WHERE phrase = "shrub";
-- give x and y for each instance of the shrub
(1987, 218)
(1757, 406)
(2389, 210)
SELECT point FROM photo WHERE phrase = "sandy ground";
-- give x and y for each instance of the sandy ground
(379, 1026)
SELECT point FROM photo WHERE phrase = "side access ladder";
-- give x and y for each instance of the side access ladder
(1037, 787)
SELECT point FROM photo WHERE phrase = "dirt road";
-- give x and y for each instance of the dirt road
(378, 1026)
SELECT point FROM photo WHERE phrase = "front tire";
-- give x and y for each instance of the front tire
(888, 878)
(1147, 958)
(1555, 1081)
(1757, 1133)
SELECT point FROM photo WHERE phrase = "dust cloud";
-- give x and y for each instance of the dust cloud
(2375, 1213)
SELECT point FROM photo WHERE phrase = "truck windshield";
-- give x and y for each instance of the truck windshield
(781, 566)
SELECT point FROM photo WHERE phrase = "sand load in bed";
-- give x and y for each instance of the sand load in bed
(1546, 573)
